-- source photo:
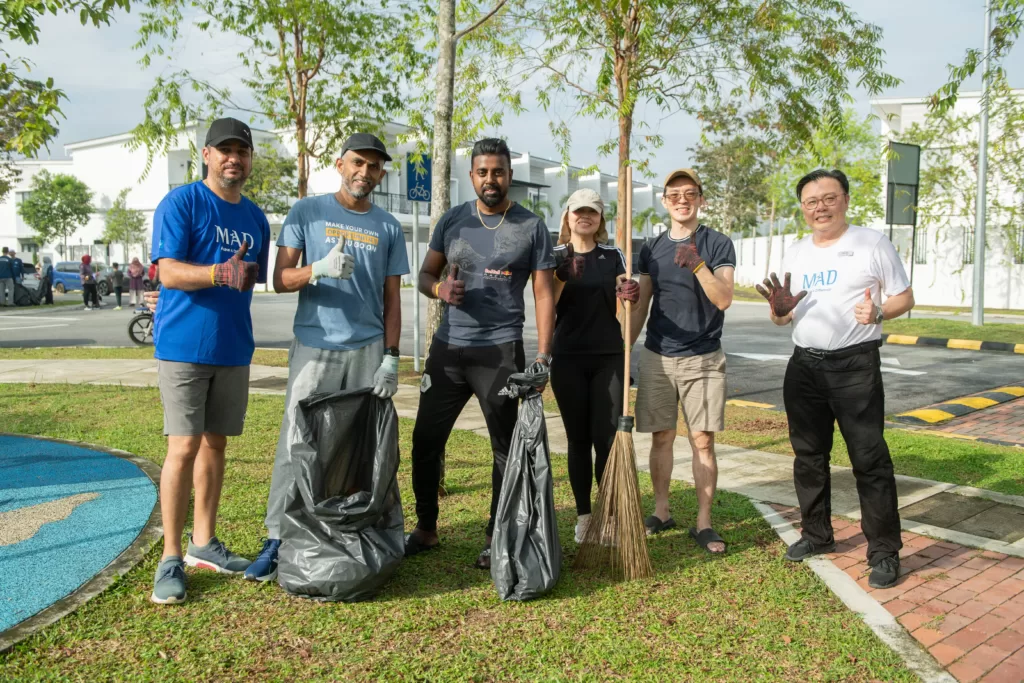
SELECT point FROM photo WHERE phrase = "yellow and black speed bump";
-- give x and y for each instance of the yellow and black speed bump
(958, 407)
(962, 344)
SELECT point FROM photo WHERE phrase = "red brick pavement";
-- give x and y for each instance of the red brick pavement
(1004, 422)
(966, 606)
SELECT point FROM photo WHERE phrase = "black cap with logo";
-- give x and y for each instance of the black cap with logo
(364, 141)
(226, 129)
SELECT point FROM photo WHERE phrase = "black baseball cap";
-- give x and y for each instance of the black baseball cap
(364, 141)
(226, 129)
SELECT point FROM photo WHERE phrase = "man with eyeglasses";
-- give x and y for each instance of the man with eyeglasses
(835, 372)
(688, 273)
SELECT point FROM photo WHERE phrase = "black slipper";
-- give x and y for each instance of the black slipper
(483, 560)
(413, 545)
(655, 525)
(705, 537)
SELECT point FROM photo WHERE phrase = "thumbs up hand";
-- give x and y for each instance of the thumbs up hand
(865, 311)
(451, 289)
(337, 264)
(236, 272)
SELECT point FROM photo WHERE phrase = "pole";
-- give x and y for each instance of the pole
(416, 289)
(978, 304)
(913, 255)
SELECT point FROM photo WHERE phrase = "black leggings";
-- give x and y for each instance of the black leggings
(452, 375)
(588, 389)
(89, 294)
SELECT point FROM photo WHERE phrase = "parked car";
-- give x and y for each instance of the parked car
(66, 277)
(104, 278)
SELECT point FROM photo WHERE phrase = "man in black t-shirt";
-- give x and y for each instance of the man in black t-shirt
(688, 273)
(493, 246)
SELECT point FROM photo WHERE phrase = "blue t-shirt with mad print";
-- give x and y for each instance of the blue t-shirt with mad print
(210, 326)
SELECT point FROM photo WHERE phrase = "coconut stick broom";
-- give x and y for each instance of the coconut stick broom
(616, 539)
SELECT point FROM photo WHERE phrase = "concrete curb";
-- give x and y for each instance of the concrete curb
(878, 619)
(961, 344)
(937, 413)
(129, 557)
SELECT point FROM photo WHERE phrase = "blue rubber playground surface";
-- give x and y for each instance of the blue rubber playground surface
(66, 512)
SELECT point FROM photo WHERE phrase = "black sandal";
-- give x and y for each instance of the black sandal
(706, 537)
(483, 560)
(655, 525)
(414, 546)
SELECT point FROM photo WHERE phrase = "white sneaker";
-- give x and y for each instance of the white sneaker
(582, 524)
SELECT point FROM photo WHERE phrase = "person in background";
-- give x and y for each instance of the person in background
(18, 268)
(118, 279)
(6, 278)
(46, 280)
(89, 293)
(587, 366)
(135, 287)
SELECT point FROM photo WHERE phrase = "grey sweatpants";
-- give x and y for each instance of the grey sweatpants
(6, 289)
(312, 370)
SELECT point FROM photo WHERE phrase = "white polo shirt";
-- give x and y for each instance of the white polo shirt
(835, 278)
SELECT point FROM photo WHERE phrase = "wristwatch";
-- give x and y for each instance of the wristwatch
(392, 351)
(880, 316)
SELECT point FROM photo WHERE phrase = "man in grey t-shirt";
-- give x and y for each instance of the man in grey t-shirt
(493, 246)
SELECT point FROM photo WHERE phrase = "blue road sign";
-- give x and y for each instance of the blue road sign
(418, 180)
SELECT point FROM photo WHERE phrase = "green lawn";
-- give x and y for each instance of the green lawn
(955, 329)
(748, 616)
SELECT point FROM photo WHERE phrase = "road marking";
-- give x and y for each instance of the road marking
(912, 373)
(32, 327)
(38, 317)
(976, 402)
(967, 344)
(891, 361)
(764, 357)
(740, 403)
(900, 339)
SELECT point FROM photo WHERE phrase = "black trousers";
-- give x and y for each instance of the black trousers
(588, 389)
(819, 392)
(89, 294)
(47, 297)
(452, 375)
(117, 294)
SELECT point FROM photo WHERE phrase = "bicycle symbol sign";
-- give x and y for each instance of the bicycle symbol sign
(418, 179)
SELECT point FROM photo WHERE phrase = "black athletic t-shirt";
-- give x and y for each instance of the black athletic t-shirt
(683, 321)
(495, 265)
(585, 315)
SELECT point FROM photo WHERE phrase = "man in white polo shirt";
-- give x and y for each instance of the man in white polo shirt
(843, 272)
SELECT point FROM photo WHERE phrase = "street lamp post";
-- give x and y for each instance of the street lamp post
(978, 303)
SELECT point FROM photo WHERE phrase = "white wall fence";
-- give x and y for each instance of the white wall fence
(940, 276)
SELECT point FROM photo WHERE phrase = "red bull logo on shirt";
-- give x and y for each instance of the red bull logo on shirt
(824, 278)
(497, 274)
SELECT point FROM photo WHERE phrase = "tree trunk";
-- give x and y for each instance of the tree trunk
(771, 234)
(440, 188)
(625, 132)
(302, 158)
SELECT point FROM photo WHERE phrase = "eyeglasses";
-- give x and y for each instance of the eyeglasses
(676, 197)
(827, 201)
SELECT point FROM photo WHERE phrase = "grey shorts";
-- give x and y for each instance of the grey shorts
(203, 398)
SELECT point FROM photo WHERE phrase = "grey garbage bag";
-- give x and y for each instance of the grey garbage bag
(342, 536)
(526, 556)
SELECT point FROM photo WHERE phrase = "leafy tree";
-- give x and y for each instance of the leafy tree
(320, 68)
(539, 206)
(794, 60)
(123, 225)
(271, 185)
(56, 207)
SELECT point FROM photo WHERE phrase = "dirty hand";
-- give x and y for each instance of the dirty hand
(571, 267)
(451, 289)
(385, 380)
(779, 296)
(865, 311)
(627, 289)
(337, 264)
(688, 257)
(236, 273)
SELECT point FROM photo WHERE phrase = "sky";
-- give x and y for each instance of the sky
(98, 70)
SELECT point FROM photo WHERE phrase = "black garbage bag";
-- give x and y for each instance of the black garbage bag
(526, 556)
(23, 296)
(342, 536)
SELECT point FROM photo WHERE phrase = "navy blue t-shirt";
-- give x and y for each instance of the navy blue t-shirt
(495, 265)
(683, 321)
(209, 326)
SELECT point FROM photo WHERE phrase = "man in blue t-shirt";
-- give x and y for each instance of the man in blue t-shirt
(6, 278)
(687, 272)
(349, 316)
(493, 246)
(211, 245)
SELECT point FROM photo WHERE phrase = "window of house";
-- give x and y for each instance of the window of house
(921, 246)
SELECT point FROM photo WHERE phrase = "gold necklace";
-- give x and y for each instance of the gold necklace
(481, 218)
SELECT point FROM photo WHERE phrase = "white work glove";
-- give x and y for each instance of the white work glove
(385, 380)
(336, 264)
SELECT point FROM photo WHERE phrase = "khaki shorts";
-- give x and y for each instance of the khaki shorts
(203, 398)
(697, 383)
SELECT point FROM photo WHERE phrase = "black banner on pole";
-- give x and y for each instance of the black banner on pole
(902, 184)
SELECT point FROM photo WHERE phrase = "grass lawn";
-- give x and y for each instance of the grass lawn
(749, 615)
(955, 329)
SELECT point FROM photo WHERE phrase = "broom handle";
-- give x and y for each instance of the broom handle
(628, 307)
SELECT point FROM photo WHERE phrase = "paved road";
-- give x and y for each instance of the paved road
(758, 350)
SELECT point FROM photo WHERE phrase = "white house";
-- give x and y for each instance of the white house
(943, 270)
(107, 165)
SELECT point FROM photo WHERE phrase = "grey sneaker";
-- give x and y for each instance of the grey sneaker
(216, 557)
(169, 583)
